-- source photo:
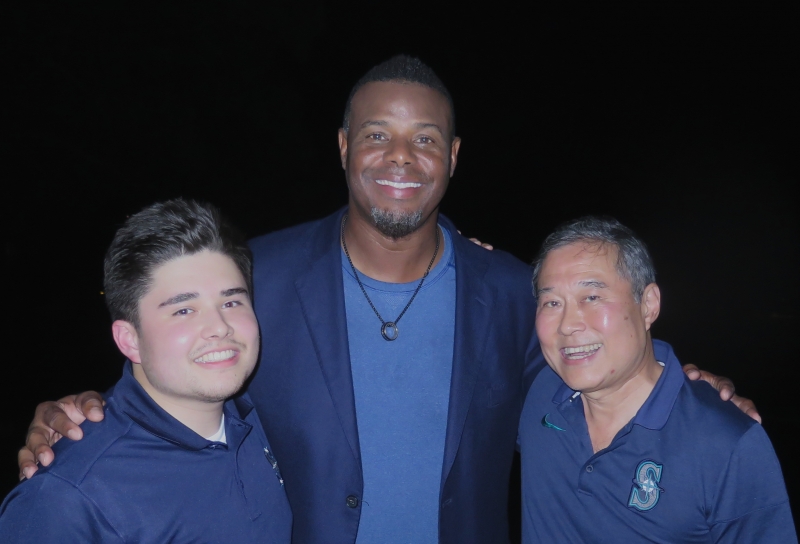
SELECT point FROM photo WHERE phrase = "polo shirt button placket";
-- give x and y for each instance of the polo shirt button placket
(352, 501)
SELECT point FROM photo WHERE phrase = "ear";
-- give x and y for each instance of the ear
(343, 148)
(651, 304)
(127, 339)
(454, 147)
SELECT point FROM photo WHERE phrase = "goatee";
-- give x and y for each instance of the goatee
(395, 224)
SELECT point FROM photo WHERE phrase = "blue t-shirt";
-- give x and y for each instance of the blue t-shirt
(142, 476)
(687, 468)
(402, 391)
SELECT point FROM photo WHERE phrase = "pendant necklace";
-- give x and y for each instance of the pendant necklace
(389, 329)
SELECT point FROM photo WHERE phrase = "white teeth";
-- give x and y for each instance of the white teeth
(215, 356)
(398, 185)
(582, 349)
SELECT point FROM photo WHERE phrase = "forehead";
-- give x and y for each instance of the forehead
(579, 260)
(398, 100)
(194, 271)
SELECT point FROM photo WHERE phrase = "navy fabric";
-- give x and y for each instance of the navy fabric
(710, 470)
(401, 392)
(303, 388)
(142, 476)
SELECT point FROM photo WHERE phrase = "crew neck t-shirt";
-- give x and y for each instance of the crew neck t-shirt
(402, 391)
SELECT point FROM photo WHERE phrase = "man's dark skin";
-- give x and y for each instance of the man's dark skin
(398, 132)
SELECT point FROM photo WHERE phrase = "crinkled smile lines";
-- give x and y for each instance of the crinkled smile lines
(398, 184)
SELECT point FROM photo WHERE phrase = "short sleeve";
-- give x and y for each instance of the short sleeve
(47, 509)
(751, 503)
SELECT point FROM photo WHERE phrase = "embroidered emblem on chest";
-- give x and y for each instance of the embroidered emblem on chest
(646, 491)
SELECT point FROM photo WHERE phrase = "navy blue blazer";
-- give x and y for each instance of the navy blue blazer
(303, 388)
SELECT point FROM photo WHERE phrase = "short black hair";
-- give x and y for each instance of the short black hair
(402, 69)
(633, 259)
(158, 234)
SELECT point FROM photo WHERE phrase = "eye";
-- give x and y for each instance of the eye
(550, 304)
(184, 311)
(232, 304)
(376, 136)
(425, 140)
(592, 298)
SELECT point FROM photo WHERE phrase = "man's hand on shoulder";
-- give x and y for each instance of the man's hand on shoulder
(479, 243)
(726, 389)
(52, 421)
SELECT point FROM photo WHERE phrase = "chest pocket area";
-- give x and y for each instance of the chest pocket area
(498, 393)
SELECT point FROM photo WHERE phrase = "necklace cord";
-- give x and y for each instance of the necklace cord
(384, 324)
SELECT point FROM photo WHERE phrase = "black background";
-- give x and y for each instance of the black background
(679, 121)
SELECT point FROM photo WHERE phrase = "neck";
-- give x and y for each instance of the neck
(608, 411)
(201, 417)
(392, 260)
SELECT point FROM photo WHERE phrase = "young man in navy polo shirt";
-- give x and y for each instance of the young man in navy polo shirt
(617, 446)
(179, 460)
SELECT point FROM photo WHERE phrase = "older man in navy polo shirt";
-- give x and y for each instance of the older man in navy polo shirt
(617, 446)
(174, 462)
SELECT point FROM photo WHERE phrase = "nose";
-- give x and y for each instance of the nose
(571, 319)
(216, 326)
(399, 152)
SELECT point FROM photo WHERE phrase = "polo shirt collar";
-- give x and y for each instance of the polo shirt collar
(656, 409)
(141, 408)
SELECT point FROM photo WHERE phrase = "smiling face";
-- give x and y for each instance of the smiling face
(398, 155)
(592, 331)
(197, 340)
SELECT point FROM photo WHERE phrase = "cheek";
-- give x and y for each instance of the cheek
(546, 329)
(246, 328)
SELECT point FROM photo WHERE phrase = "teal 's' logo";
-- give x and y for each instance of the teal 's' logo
(549, 425)
(646, 491)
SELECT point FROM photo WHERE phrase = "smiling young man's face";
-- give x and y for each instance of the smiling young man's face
(398, 154)
(592, 331)
(197, 340)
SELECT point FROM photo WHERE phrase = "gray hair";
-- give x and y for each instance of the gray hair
(633, 260)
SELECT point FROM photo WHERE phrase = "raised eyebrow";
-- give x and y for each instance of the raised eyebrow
(177, 299)
(234, 291)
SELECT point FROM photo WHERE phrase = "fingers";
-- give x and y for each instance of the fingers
(479, 243)
(89, 404)
(27, 463)
(51, 418)
(747, 406)
(692, 372)
(720, 383)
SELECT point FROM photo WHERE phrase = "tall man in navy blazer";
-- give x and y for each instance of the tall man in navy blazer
(395, 353)
(344, 403)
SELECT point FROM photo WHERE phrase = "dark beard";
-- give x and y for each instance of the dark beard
(396, 225)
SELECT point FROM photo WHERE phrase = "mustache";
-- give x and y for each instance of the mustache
(218, 345)
(384, 172)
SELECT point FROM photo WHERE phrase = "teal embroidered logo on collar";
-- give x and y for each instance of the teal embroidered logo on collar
(549, 425)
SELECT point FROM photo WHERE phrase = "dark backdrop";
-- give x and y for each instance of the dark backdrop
(679, 122)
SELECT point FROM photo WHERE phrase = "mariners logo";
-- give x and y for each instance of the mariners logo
(646, 491)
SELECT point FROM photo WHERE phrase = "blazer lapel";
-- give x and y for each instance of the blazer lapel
(474, 308)
(322, 300)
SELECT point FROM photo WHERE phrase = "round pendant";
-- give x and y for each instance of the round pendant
(389, 331)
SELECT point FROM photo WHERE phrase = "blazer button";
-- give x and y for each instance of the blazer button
(352, 501)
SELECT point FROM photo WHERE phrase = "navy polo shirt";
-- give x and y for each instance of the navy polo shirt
(145, 477)
(688, 468)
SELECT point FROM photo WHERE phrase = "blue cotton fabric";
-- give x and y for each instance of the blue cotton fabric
(402, 391)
